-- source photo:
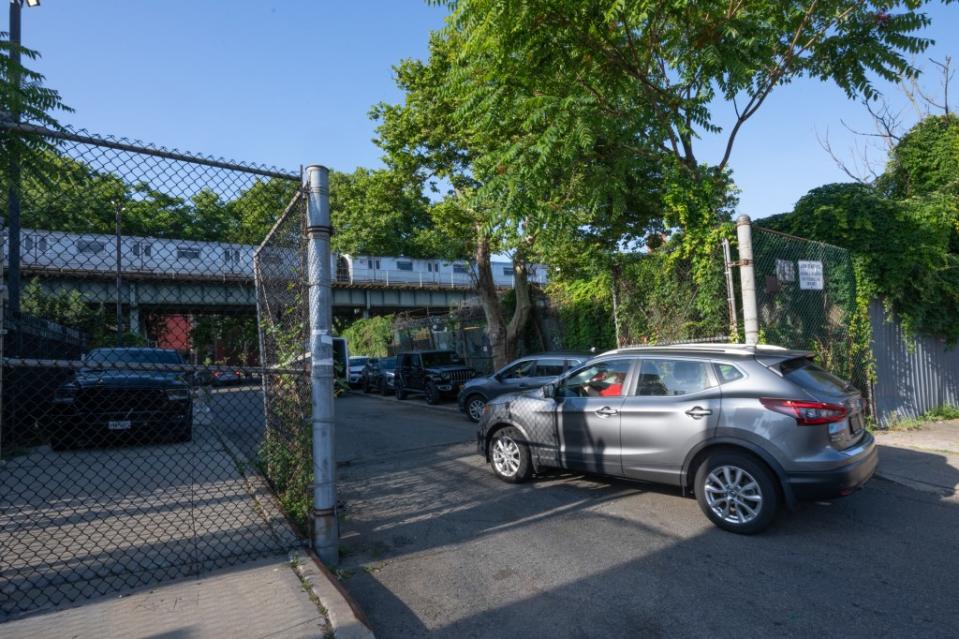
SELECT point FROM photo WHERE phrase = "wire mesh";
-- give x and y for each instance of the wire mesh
(132, 405)
(806, 298)
(285, 454)
(667, 297)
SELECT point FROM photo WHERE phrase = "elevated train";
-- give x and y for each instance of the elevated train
(96, 254)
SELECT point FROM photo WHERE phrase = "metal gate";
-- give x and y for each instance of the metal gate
(132, 444)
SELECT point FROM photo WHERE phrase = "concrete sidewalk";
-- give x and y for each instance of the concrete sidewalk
(261, 599)
(926, 459)
(269, 598)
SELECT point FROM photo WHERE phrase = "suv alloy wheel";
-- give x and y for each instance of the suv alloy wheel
(510, 456)
(737, 493)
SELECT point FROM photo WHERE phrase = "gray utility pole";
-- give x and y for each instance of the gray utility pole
(325, 526)
(747, 279)
(13, 188)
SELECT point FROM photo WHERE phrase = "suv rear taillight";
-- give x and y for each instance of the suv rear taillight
(807, 413)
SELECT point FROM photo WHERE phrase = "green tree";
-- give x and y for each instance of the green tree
(23, 94)
(570, 126)
(379, 212)
(425, 137)
(258, 208)
(925, 160)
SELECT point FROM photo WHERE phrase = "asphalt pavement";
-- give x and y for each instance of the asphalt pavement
(434, 545)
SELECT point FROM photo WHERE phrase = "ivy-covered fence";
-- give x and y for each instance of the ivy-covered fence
(807, 297)
(675, 292)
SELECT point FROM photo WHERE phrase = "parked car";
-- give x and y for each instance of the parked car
(436, 374)
(743, 429)
(379, 374)
(522, 374)
(357, 365)
(228, 377)
(106, 402)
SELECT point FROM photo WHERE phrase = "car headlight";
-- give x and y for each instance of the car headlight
(178, 394)
(65, 395)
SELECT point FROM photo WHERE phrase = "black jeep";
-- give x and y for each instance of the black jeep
(436, 374)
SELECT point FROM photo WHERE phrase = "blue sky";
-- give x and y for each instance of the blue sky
(290, 83)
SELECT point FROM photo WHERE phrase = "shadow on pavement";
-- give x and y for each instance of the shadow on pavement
(434, 546)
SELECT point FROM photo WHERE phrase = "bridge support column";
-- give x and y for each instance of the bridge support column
(134, 319)
(134, 306)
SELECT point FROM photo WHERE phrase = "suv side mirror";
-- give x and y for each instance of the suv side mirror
(549, 391)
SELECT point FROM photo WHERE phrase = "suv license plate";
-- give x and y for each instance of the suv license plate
(119, 424)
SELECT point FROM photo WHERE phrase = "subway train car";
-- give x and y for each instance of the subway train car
(406, 270)
(90, 253)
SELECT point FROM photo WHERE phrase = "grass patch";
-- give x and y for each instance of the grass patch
(937, 414)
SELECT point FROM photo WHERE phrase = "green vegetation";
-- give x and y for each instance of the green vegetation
(370, 337)
(903, 231)
(575, 144)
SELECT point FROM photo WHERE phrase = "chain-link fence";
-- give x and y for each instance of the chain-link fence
(285, 453)
(132, 407)
(806, 299)
(666, 297)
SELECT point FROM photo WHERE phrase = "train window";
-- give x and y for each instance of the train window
(231, 256)
(187, 253)
(142, 249)
(404, 266)
(30, 243)
(460, 269)
(377, 262)
(507, 270)
(369, 263)
(90, 246)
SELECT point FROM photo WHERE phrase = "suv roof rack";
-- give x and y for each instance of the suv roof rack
(713, 347)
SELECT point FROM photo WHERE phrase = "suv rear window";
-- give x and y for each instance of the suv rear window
(803, 372)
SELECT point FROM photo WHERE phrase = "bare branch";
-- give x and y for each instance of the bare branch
(827, 147)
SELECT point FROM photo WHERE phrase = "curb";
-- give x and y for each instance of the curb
(346, 619)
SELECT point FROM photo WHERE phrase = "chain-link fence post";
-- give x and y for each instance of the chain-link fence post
(325, 527)
(747, 279)
(730, 289)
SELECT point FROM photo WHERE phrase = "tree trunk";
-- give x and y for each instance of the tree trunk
(614, 273)
(503, 336)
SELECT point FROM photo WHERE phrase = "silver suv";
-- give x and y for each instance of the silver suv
(743, 428)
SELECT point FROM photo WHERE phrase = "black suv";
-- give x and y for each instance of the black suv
(436, 374)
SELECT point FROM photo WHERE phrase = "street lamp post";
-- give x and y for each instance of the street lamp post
(13, 188)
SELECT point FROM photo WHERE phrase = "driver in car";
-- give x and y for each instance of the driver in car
(607, 384)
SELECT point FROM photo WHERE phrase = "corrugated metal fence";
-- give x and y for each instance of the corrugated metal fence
(914, 375)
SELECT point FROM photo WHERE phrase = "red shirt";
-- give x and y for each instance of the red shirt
(613, 390)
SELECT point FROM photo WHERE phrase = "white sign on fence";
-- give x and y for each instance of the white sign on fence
(810, 275)
(785, 271)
